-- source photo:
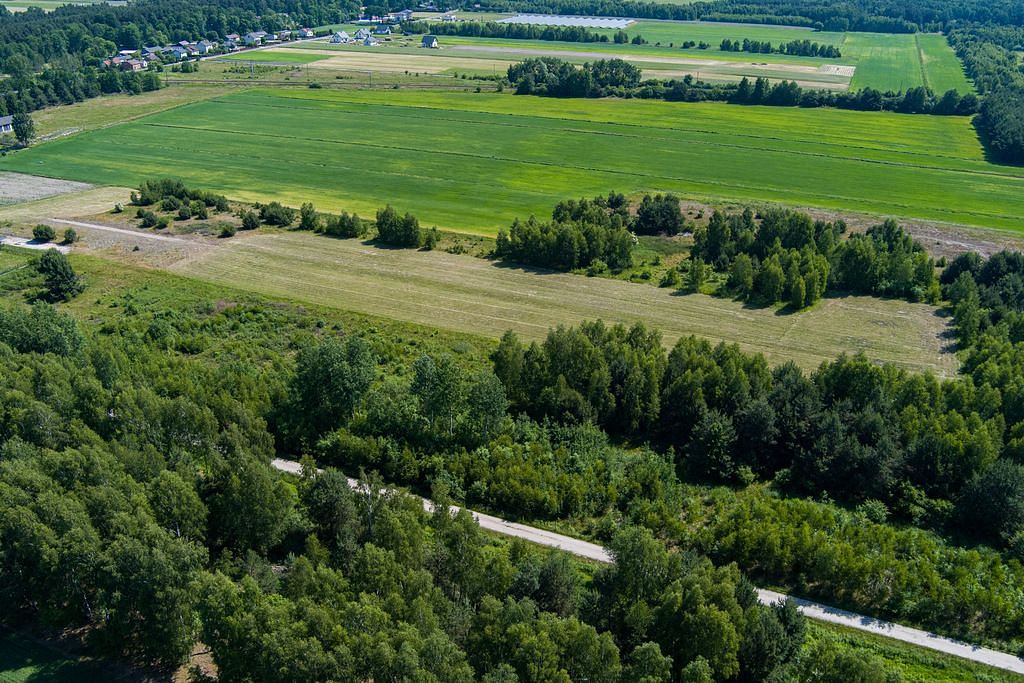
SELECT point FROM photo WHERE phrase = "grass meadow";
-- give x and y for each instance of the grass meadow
(473, 295)
(473, 162)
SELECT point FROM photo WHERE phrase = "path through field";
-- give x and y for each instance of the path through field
(474, 295)
(812, 610)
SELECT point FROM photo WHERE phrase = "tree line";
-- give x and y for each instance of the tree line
(803, 48)
(492, 29)
(138, 505)
(786, 256)
(553, 77)
(886, 16)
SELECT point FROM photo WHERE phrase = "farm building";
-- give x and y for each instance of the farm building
(341, 38)
(6, 125)
(429, 41)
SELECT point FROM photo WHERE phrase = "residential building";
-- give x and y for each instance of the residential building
(371, 42)
(429, 41)
(382, 30)
(204, 47)
(341, 38)
(6, 125)
(306, 33)
(362, 34)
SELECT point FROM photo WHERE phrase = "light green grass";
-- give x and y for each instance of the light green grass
(942, 70)
(276, 56)
(908, 662)
(473, 162)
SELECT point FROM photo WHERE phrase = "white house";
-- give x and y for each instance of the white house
(204, 47)
(306, 33)
(6, 125)
(382, 30)
(371, 42)
(362, 34)
(341, 38)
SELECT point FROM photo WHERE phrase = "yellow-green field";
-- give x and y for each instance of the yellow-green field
(466, 294)
(474, 162)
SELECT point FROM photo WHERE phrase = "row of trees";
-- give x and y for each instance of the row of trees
(788, 256)
(553, 77)
(580, 234)
(886, 16)
(803, 48)
(492, 29)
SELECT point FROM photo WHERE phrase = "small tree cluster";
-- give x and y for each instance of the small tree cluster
(396, 230)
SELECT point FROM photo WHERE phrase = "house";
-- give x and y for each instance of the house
(178, 52)
(254, 38)
(284, 35)
(383, 30)
(449, 18)
(371, 42)
(306, 33)
(429, 41)
(6, 125)
(404, 15)
(133, 65)
(233, 37)
(204, 47)
(362, 34)
(341, 38)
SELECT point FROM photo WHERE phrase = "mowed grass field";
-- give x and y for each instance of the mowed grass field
(466, 294)
(474, 162)
(883, 61)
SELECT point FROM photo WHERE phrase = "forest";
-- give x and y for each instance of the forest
(137, 503)
(553, 77)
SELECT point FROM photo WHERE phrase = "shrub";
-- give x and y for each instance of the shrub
(275, 213)
(250, 221)
(70, 236)
(43, 233)
(227, 230)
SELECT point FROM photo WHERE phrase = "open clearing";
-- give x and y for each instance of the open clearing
(18, 187)
(473, 162)
(884, 61)
(467, 294)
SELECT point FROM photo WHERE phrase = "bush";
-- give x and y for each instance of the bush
(345, 225)
(275, 213)
(250, 221)
(227, 230)
(70, 236)
(43, 233)
(149, 219)
(399, 231)
(185, 212)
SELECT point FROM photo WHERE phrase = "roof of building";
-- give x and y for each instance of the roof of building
(6, 120)
(429, 40)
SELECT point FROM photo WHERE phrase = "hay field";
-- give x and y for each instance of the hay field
(473, 162)
(467, 294)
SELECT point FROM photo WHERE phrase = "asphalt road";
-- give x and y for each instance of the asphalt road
(810, 609)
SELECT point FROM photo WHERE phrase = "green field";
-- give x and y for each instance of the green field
(473, 162)
(473, 295)
(275, 56)
(884, 61)
(942, 69)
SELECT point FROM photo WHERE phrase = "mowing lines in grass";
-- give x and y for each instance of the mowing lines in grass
(474, 295)
(474, 162)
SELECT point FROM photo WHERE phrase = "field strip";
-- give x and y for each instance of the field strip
(1008, 172)
(477, 296)
(654, 138)
(893, 207)
(132, 233)
(809, 608)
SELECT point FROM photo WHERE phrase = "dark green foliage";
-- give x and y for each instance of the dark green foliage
(39, 330)
(171, 194)
(330, 379)
(24, 128)
(61, 281)
(277, 214)
(1001, 124)
(659, 215)
(44, 233)
(788, 257)
(397, 231)
(580, 234)
(345, 225)
(250, 220)
(555, 78)
(492, 29)
(70, 236)
(308, 217)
